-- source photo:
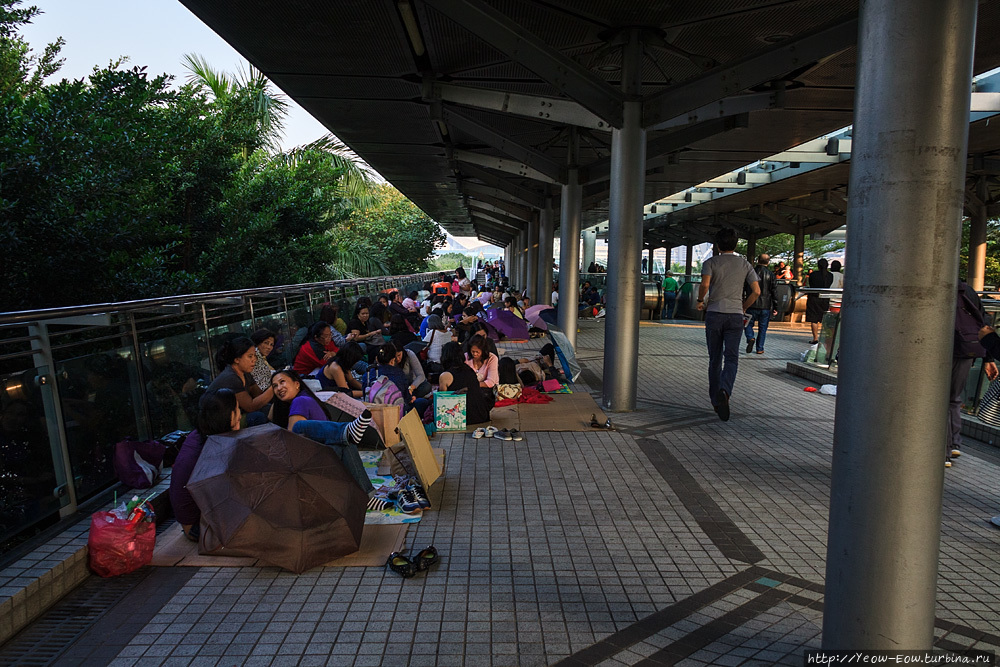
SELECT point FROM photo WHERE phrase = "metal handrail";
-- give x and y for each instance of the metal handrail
(22, 316)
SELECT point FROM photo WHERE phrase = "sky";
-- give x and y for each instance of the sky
(151, 33)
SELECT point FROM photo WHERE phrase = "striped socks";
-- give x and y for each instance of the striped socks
(356, 429)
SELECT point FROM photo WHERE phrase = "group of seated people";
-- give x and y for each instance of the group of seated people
(449, 350)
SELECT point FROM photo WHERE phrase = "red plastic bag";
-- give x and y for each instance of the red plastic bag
(117, 546)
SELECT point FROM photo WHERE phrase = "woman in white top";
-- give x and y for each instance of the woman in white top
(436, 337)
(838, 277)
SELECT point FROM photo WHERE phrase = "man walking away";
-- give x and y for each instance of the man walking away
(670, 288)
(764, 308)
(722, 280)
(970, 318)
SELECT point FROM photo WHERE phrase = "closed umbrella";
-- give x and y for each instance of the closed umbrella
(508, 324)
(268, 493)
(534, 315)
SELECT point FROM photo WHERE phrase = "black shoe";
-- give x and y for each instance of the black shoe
(750, 342)
(722, 405)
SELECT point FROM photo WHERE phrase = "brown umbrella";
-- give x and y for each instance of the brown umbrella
(267, 493)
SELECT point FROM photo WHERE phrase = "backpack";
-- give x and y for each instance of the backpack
(968, 322)
(385, 391)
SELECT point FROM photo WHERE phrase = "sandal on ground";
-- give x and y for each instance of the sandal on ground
(425, 559)
(479, 433)
(401, 565)
(490, 431)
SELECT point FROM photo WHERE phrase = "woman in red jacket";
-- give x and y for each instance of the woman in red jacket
(316, 351)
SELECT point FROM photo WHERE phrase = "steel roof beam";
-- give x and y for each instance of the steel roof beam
(560, 71)
(484, 194)
(658, 150)
(729, 106)
(811, 214)
(478, 209)
(528, 156)
(550, 109)
(502, 164)
(493, 210)
(526, 195)
(767, 65)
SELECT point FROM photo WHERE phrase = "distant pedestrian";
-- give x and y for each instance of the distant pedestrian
(722, 279)
(670, 288)
(838, 277)
(764, 308)
(816, 306)
(783, 272)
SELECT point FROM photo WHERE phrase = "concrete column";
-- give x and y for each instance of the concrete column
(800, 248)
(624, 289)
(531, 279)
(906, 184)
(569, 243)
(689, 261)
(589, 249)
(546, 233)
(977, 239)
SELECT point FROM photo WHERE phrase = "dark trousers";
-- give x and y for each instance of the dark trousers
(669, 305)
(723, 333)
(959, 375)
(763, 318)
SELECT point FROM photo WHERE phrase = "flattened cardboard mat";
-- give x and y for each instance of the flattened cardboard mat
(566, 412)
(377, 542)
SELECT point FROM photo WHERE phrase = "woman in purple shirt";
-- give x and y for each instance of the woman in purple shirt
(300, 411)
(219, 413)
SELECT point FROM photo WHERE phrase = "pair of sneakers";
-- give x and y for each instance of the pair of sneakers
(406, 494)
(498, 433)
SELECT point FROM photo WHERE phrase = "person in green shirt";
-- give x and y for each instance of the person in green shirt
(670, 288)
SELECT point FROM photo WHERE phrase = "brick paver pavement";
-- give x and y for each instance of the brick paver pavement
(677, 539)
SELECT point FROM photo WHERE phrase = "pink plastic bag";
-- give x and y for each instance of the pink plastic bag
(551, 385)
(118, 546)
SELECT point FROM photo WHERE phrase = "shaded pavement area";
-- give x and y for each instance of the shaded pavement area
(677, 539)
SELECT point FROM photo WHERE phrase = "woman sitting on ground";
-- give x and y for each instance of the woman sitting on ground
(389, 361)
(219, 413)
(510, 303)
(297, 409)
(236, 359)
(410, 364)
(483, 362)
(317, 349)
(359, 323)
(330, 314)
(400, 333)
(458, 377)
(436, 338)
(337, 374)
(263, 340)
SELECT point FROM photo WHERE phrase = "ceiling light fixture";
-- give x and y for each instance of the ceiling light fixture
(412, 29)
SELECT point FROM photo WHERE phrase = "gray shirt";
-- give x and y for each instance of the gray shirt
(725, 291)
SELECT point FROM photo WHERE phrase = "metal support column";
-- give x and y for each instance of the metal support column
(569, 242)
(800, 248)
(522, 264)
(589, 249)
(689, 262)
(546, 232)
(532, 278)
(752, 248)
(649, 267)
(976, 274)
(906, 184)
(624, 289)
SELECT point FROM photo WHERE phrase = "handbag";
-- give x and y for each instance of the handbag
(510, 392)
(989, 407)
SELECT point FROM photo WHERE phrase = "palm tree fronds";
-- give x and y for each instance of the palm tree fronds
(203, 74)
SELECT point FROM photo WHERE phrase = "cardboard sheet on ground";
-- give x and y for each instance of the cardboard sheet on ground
(566, 412)
(411, 430)
(377, 542)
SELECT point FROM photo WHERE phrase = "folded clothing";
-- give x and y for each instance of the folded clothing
(528, 395)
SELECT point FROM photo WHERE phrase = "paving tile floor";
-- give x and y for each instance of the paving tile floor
(677, 539)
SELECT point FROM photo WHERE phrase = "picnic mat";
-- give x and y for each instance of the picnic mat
(377, 542)
(566, 412)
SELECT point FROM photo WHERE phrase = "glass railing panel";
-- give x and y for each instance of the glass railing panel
(32, 481)
(102, 404)
(177, 371)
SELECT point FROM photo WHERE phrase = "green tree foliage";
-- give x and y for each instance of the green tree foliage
(21, 72)
(394, 229)
(992, 271)
(120, 187)
(450, 261)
